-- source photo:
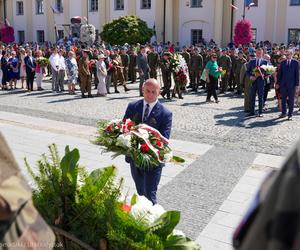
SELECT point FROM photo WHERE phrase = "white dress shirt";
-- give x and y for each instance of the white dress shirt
(54, 61)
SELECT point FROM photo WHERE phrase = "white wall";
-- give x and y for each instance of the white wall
(148, 15)
(39, 22)
(115, 14)
(20, 22)
(196, 18)
(293, 19)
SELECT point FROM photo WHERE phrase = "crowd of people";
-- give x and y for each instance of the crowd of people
(211, 68)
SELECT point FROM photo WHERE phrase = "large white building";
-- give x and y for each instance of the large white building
(184, 21)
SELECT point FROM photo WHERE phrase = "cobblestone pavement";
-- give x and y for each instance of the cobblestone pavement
(222, 124)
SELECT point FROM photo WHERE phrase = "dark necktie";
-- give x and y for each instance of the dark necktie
(146, 112)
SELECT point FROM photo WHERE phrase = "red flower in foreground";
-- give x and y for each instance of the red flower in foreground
(109, 129)
(126, 208)
(145, 148)
(159, 143)
(130, 124)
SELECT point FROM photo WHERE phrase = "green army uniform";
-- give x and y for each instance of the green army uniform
(232, 80)
(85, 76)
(166, 76)
(125, 62)
(187, 57)
(237, 70)
(196, 69)
(224, 61)
(246, 85)
(21, 226)
(117, 74)
(132, 67)
(274, 59)
(153, 61)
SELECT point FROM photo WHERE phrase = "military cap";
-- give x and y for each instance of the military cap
(167, 53)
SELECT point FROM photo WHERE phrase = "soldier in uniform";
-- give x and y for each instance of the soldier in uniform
(224, 61)
(153, 61)
(166, 74)
(85, 74)
(232, 79)
(237, 70)
(94, 59)
(196, 69)
(132, 65)
(118, 72)
(21, 226)
(125, 62)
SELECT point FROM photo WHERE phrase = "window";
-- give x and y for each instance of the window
(20, 8)
(40, 36)
(294, 35)
(59, 6)
(254, 35)
(119, 4)
(93, 5)
(39, 7)
(60, 34)
(196, 4)
(294, 2)
(21, 36)
(196, 36)
(145, 4)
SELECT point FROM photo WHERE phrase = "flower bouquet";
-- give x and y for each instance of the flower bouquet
(43, 62)
(257, 72)
(268, 69)
(222, 71)
(180, 70)
(144, 144)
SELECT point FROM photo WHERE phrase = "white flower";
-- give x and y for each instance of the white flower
(115, 121)
(144, 210)
(178, 233)
(168, 157)
(125, 139)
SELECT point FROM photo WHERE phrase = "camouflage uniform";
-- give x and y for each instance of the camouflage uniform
(132, 66)
(246, 85)
(85, 76)
(118, 72)
(196, 69)
(125, 62)
(166, 76)
(224, 61)
(21, 226)
(237, 70)
(232, 80)
(153, 61)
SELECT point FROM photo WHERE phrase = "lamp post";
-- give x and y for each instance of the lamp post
(87, 11)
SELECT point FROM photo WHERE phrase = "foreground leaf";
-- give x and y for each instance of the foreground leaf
(176, 242)
(178, 159)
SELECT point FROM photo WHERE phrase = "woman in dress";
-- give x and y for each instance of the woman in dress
(213, 73)
(101, 74)
(14, 72)
(72, 72)
(39, 71)
(22, 66)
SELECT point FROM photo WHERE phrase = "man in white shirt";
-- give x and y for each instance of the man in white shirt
(61, 71)
(54, 58)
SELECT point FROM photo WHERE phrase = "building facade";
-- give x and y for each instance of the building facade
(183, 21)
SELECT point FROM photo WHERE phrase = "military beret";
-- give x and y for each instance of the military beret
(167, 53)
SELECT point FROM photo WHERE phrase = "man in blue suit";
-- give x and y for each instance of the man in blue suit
(30, 65)
(288, 80)
(258, 83)
(151, 112)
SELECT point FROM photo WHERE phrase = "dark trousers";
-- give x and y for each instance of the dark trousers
(266, 91)
(257, 87)
(212, 88)
(290, 94)
(143, 78)
(146, 181)
(4, 77)
(29, 80)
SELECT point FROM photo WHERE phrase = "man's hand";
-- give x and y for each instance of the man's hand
(277, 86)
(252, 78)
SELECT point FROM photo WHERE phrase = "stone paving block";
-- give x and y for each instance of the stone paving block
(209, 244)
(218, 232)
(273, 161)
(226, 219)
(239, 197)
(234, 207)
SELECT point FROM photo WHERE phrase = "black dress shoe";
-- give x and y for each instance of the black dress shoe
(290, 118)
(126, 89)
(180, 97)
(83, 96)
(260, 115)
(282, 116)
(90, 96)
(117, 91)
(250, 114)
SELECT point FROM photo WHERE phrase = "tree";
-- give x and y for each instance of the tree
(127, 29)
(242, 32)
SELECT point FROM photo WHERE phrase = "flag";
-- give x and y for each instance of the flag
(234, 7)
(55, 10)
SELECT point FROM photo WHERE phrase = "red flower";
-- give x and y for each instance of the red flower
(159, 143)
(144, 148)
(109, 129)
(130, 124)
(126, 208)
(119, 126)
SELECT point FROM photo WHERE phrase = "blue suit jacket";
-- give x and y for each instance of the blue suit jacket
(288, 76)
(252, 66)
(29, 65)
(160, 118)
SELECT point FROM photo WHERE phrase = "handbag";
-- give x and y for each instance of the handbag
(204, 76)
